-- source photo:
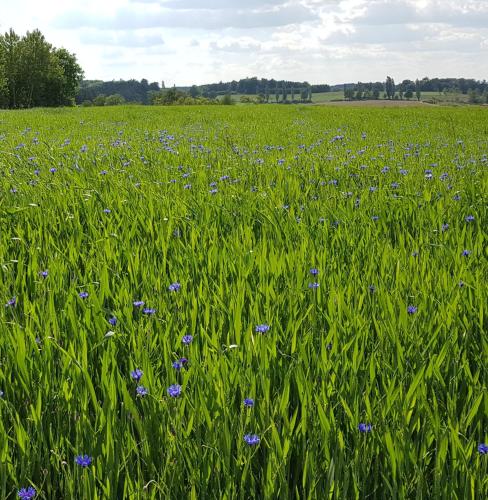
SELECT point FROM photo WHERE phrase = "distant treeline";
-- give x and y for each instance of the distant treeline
(130, 90)
(34, 73)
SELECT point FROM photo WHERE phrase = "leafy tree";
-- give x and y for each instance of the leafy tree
(194, 92)
(227, 100)
(277, 94)
(390, 87)
(408, 94)
(99, 100)
(36, 73)
(418, 91)
(114, 100)
(285, 93)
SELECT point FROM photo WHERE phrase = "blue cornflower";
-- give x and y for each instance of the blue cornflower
(83, 460)
(461, 284)
(313, 285)
(371, 288)
(248, 402)
(27, 493)
(456, 197)
(445, 227)
(187, 339)
(483, 449)
(252, 439)
(183, 361)
(106, 210)
(469, 218)
(314, 271)
(1, 394)
(466, 253)
(411, 309)
(83, 295)
(12, 302)
(103, 172)
(138, 303)
(374, 217)
(187, 186)
(112, 320)
(141, 391)
(365, 427)
(176, 365)
(174, 390)
(44, 274)
(52, 170)
(148, 310)
(137, 374)
(174, 287)
(213, 191)
(262, 328)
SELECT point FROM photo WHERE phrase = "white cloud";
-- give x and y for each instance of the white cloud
(201, 41)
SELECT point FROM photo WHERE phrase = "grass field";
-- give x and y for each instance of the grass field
(243, 302)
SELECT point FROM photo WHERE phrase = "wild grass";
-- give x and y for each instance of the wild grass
(295, 188)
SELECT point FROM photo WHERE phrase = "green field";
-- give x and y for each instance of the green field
(329, 263)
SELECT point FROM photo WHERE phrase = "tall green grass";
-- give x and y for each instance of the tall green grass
(297, 197)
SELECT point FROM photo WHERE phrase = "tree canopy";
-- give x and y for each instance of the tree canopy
(34, 73)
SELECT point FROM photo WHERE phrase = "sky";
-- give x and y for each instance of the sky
(186, 42)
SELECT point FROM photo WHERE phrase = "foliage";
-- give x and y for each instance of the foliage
(130, 90)
(34, 73)
(329, 264)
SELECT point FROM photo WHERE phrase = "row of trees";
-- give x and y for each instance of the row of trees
(129, 90)
(252, 86)
(34, 73)
(386, 90)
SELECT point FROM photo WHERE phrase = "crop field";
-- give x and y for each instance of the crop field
(244, 302)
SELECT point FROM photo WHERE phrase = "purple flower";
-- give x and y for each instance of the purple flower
(466, 253)
(176, 365)
(313, 285)
(148, 310)
(174, 287)
(52, 170)
(375, 218)
(469, 218)
(365, 427)
(138, 303)
(174, 390)
(411, 309)
(141, 391)
(112, 320)
(249, 403)
(483, 449)
(371, 288)
(106, 210)
(137, 374)
(12, 302)
(183, 361)
(83, 460)
(445, 227)
(314, 271)
(27, 493)
(44, 274)
(262, 328)
(461, 284)
(187, 339)
(83, 295)
(252, 439)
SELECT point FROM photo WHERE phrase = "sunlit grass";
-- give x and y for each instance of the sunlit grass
(237, 205)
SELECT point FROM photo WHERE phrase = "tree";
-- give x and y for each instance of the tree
(390, 87)
(114, 100)
(194, 92)
(36, 73)
(408, 94)
(285, 93)
(418, 92)
(227, 100)
(277, 94)
(99, 100)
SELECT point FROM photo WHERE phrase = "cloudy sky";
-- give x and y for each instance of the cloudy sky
(203, 41)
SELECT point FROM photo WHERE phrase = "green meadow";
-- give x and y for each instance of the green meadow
(329, 264)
